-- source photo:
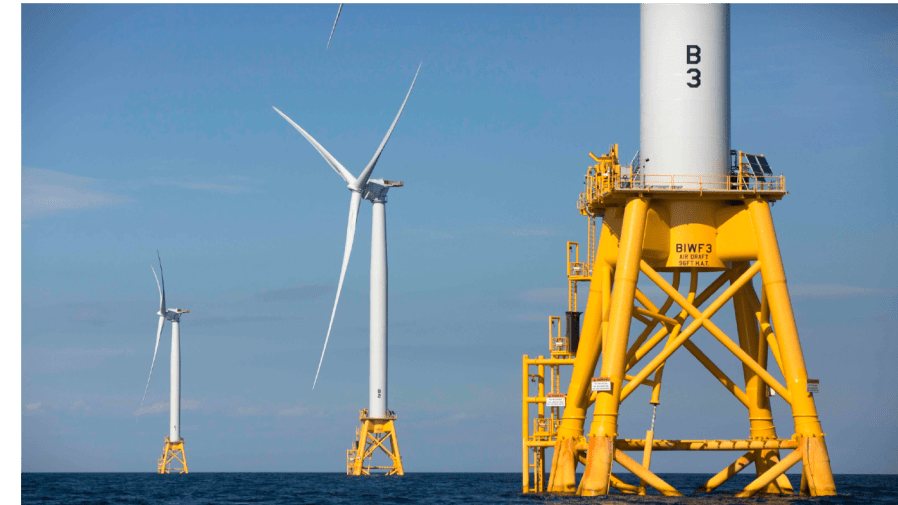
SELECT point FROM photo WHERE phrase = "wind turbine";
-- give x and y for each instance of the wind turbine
(377, 421)
(174, 444)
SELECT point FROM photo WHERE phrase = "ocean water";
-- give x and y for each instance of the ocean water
(424, 488)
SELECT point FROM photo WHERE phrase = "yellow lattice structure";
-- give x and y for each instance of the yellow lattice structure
(684, 226)
(172, 454)
(374, 434)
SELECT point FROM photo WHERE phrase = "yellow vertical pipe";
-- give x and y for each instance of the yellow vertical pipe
(604, 425)
(804, 412)
(524, 408)
(646, 458)
(541, 389)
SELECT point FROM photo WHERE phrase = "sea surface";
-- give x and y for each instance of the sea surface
(424, 488)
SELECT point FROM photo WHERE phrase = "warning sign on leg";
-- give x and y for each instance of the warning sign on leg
(555, 400)
(601, 384)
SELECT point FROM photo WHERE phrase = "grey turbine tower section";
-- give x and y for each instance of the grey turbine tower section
(374, 190)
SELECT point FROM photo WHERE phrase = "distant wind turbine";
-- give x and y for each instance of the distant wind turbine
(173, 443)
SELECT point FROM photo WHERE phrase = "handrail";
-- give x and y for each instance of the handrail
(599, 185)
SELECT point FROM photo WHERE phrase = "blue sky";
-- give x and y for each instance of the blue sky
(151, 127)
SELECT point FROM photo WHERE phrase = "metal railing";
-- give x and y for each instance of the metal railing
(599, 185)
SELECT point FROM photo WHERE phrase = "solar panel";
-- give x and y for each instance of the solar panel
(764, 166)
(756, 167)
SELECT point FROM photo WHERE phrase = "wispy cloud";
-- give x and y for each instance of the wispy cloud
(152, 409)
(830, 291)
(186, 404)
(90, 316)
(295, 411)
(33, 406)
(531, 232)
(295, 294)
(46, 192)
(40, 360)
(231, 184)
(228, 320)
(248, 411)
(545, 295)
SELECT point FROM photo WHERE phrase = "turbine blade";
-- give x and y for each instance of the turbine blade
(161, 294)
(153, 364)
(335, 26)
(350, 236)
(363, 177)
(340, 169)
(162, 275)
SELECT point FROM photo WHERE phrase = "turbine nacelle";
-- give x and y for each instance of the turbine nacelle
(174, 315)
(376, 190)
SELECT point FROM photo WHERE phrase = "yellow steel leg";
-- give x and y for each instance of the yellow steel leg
(815, 458)
(564, 461)
(604, 427)
(758, 403)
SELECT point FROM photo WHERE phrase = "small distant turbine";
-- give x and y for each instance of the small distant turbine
(335, 26)
(174, 444)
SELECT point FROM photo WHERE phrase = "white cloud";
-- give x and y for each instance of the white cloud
(248, 411)
(163, 406)
(190, 404)
(152, 409)
(39, 360)
(829, 291)
(295, 294)
(231, 184)
(545, 295)
(529, 232)
(33, 406)
(47, 192)
(295, 411)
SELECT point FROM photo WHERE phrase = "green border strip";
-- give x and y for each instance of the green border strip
(11, 252)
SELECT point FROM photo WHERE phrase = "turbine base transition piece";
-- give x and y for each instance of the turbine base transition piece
(373, 434)
(173, 456)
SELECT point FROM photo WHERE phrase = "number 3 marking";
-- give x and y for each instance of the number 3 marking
(696, 79)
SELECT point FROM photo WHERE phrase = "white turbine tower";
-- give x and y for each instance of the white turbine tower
(174, 444)
(376, 420)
